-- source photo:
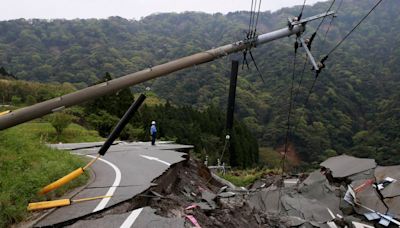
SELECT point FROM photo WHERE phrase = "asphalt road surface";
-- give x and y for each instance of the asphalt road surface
(127, 170)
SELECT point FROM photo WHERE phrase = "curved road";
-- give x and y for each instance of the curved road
(127, 170)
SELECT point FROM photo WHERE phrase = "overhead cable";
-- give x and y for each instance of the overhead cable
(351, 31)
(302, 9)
(290, 106)
(258, 14)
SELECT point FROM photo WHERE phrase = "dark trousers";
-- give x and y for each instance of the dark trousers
(153, 139)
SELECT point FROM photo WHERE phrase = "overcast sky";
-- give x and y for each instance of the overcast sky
(131, 9)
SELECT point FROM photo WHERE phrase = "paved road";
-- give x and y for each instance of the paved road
(139, 218)
(125, 171)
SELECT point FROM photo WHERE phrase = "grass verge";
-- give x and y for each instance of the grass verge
(73, 133)
(243, 178)
(26, 166)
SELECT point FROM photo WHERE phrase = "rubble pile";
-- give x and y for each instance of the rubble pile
(211, 204)
(346, 191)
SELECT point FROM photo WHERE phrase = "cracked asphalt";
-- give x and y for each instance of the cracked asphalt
(127, 170)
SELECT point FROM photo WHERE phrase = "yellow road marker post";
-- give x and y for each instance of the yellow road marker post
(64, 180)
(59, 203)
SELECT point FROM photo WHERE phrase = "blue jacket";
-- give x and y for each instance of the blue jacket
(153, 129)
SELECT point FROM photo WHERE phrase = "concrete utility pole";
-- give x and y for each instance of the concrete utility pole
(38, 110)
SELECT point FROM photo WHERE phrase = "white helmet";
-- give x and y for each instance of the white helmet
(153, 122)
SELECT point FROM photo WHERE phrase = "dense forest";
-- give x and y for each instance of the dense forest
(354, 108)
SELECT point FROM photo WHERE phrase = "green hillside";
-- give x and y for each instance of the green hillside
(27, 165)
(354, 108)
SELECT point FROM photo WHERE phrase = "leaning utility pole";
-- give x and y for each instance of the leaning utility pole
(38, 110)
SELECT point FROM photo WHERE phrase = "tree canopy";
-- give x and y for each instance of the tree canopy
(352, 110)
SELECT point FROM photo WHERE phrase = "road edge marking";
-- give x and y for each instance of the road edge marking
(131, 218)
(155, 159)
(112, 189)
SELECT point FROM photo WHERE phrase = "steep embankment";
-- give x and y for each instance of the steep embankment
(26, 165)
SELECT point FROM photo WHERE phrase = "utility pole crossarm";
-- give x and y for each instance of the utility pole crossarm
(38, 110)
(310, 56)
(313, 18)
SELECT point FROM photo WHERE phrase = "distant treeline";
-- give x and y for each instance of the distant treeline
(183, 124)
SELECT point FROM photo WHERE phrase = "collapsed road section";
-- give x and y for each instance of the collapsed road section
(127, 171)
(160, 188)
(346, 191)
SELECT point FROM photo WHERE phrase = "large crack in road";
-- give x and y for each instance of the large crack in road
(160, 187)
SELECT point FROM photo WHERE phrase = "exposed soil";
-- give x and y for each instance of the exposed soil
(192, 181)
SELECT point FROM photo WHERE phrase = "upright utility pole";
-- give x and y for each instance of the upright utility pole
(38, 110)
(230, 112)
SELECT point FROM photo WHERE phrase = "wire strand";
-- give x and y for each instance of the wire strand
(251, 16)
(323, 19)
(290, 110)
(354, 28)
(258, 14)
(302, 9)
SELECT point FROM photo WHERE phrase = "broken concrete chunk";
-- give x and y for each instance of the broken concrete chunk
(368, 174)
(222, 189)
(208, 196)
(344, 165)
(309, 209)
(314, 177)
(204, 206)
(382, 172)
(265, 200)
(257, 184)
(226, 194)
(368, 197)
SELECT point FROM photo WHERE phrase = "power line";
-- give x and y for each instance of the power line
(330, 52)
(301, 80)
(296, 45)
(251, 35)
(251, 17)
(323, 19)
(258, 14)
(331, 22)
(290, 107)
(352, 30)
(309, 47)
(302, 9)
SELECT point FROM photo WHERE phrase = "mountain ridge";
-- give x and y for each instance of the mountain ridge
(351, 96)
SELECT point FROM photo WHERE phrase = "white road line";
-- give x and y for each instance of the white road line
(330, 212)
(112, 189)
(156, 159)
(131, 218)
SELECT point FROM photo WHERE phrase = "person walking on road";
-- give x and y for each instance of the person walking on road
(153, 132)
